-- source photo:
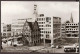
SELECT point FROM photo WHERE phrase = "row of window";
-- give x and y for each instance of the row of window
(71, 24)
(45, 28)
(48, 25)
(47, 36)
(37, 41)
(41, 28)
(41, 22)
(71, 29)
(6, 30)
(45, 31)
(40, 19)
(36, 37)
(56, 18)
(40, 25)
(6, 34)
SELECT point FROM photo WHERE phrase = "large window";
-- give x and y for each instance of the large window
(4, 30)
(41, 15)
(47, 36)
(4, 34)
(9, 34)
(48, 19)
(8, 27)
(48, 25)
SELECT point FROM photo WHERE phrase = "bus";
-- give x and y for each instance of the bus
(71, 48)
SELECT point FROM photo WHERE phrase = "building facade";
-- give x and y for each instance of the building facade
(56, 26)
(63, 30)
(31, 33)
(17, 26)
(56, 29)
(70, 30)
(48, 26)
(6, 30)
(45, 26)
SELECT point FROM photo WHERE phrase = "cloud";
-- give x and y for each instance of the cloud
(24, 9)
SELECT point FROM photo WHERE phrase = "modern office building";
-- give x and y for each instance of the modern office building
(70, 30)
(31, 33)
(48, 26)
(17, 26)
(45, 26)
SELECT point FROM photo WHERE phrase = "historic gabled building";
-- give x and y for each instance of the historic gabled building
(31, 33)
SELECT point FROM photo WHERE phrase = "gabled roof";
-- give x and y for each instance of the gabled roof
(31, 25)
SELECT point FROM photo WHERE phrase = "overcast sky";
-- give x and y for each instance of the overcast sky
(24, 9)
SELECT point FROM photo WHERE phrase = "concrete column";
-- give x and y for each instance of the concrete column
(52, 31)
(44, 40)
